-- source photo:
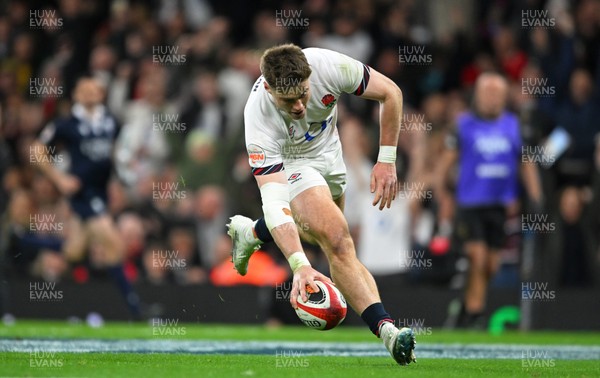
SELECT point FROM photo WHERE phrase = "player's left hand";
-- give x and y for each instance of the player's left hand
(384, 184)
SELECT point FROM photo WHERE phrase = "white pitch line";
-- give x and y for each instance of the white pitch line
(350, 349)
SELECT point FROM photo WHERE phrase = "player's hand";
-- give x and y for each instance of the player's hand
(304, 276)
(67, 184)
(384, 184)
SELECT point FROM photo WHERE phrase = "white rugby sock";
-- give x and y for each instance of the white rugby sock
(387, 332)
(250, 236)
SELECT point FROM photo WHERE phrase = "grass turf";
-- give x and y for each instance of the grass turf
(122, 330)
(189, 365)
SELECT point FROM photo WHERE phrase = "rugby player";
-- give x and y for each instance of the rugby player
(296, 157)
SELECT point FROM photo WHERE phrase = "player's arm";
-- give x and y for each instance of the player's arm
(66, 184)
(531, 181)
(384, 182)
(446, 161)
(278, 217)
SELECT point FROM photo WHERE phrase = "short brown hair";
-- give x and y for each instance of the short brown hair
(284, 66)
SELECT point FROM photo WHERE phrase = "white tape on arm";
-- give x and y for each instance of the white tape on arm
(387, 154)
(276, 204)
(297, 260)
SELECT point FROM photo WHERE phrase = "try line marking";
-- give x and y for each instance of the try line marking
(351, 349)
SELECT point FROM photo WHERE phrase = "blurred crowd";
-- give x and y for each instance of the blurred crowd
(177, 74)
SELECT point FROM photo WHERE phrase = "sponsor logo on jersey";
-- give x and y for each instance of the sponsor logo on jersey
(256, 155)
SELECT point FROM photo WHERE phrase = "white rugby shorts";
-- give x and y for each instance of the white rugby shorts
(326, 169)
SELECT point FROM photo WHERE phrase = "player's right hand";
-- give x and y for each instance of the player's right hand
(305, 275)
(384, 184)
(67, 184)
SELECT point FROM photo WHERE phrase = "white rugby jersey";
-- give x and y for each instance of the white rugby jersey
(273, 137)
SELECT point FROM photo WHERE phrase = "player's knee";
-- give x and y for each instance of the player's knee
(493, 265)
(477, 258)
(338, 242)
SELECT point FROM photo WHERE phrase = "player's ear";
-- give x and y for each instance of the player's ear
(267, 86)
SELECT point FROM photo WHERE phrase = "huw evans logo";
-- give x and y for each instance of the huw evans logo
(416, 324)
(291, 19)
(167, 327)
(168, 55)
(44, 292)
(45, 87)
(532, 358)
(289, 86)
(414, 122)
(537, 292)
(168, 191)
(415, 259)
(537, 87)
(537, 154)
(44, 360)
(168, 259)
(290, 359)
(44, 155)
(414, 191)
(537, 223)
(414, 56)
(45, 19)
(165, 122)
(282, 291)
(537, 18)
(45, 224)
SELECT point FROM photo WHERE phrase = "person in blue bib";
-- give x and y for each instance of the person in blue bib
(487, 146)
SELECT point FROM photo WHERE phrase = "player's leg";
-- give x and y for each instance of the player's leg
(102, 229)
(305, 236)
(325, 223)
(495, 238)
(76, 243)
(477, 277)
(492, 264)
(488, 237)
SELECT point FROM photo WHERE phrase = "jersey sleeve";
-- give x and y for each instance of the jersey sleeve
(262, 144)
(52, 133)
(345, 74)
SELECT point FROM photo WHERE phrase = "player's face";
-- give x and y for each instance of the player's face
(292, 100)
(490, 97)
(88, 92)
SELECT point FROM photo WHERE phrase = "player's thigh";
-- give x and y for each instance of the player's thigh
(75, 244)
(102, 229)
(341, 201)
(335, 175)
(469, 226)
(494, 225)
(323, 219)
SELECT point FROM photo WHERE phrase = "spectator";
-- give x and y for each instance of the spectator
(141, 149)
(575, 247)
(578, 115)
(222, 43)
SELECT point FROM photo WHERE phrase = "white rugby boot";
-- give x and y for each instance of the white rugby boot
(244, 242)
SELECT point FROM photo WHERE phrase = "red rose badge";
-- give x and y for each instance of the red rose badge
(328, 100)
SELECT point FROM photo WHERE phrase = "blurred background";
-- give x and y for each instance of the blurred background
(176, 76)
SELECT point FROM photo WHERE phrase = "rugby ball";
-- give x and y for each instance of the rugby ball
(324, 309)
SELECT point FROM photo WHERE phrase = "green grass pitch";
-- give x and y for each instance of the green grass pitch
(19, 364)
